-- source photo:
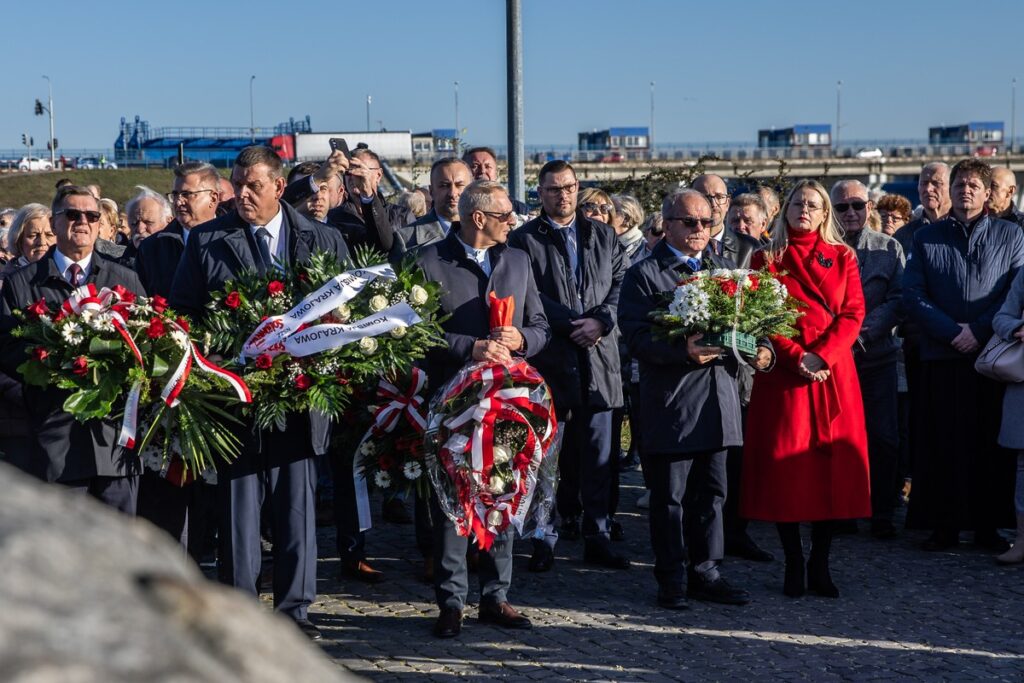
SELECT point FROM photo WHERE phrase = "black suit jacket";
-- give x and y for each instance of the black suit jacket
(157, 258)
(684, 407)
(62, 449)
(578, 377)
(465, 299)
(218, 251)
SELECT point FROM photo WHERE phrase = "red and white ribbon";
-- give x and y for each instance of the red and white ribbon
(408, 403)
(191, 358)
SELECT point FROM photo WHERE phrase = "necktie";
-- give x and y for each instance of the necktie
(263, 242)
(717, 246)
(75, 275)
(693, 263)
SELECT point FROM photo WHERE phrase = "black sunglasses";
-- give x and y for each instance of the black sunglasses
(844, 207)
(690, 221)
(75, 215)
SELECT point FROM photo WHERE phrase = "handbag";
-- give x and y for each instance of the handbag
(1002, 360)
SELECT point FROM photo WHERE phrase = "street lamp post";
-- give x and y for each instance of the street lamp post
(252, 114)
(839, 90)
(514, 85)
(457, 134)
(49, 108)
(650, 139)
(369, 99)
(1013, 112)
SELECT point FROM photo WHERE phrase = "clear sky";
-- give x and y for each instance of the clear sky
(722, 69)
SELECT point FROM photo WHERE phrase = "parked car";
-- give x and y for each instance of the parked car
(34, 164)
(89, 163)
(875, 153)
(986, 151)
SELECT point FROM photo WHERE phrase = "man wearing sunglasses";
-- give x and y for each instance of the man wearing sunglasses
(81, 456)
(689, 412)
(880, 261)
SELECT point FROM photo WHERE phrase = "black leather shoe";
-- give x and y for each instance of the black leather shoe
(672, 598)
(309, 629)
(542, 559)
(570, 529)
(883, 529)
(615, 530)
(941, 540)
(449, 623)
(819, 580)
(718, 591)
(743, 546)
(991, 540)
(601, 555)
(395, 512)
(502, 614)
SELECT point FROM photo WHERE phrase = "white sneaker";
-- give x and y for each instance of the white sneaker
(644, 501)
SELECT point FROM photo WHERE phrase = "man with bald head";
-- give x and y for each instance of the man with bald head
(880, 261)
(1004, 191)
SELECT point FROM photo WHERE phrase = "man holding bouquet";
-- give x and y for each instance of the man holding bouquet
(689, 412)
(473, 261)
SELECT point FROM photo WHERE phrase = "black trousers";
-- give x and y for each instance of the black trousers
(585, 470)
(878, 386)
(734, 525)
(120, 493)
(351, 541)
(165, 505)
(687, 494)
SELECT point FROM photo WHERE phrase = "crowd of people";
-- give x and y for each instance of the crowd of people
(875, 399)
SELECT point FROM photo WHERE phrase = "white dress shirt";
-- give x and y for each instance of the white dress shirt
(274, 228)
(480, 256)
(63, 263)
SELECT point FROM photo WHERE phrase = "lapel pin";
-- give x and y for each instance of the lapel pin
(825, 262)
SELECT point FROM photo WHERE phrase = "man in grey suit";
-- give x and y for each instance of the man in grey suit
(689, 413)
(472, 261)
(448, 178)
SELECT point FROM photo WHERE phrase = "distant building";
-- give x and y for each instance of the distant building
(984, 133)
(625, 139)
(803, 135)
(438, 142)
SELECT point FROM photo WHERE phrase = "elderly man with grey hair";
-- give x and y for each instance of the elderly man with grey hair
(880, 260)
(149, 212)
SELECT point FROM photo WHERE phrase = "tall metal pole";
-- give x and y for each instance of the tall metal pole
(650, 139)
(1013, 112)
(458, 135)
(369, 99)
(839, 92)
(252, 114)
(49, 102)
(514, 62)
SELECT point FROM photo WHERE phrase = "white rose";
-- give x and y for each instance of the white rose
(343, 312)
(378, 303)
(418, 295)
(495, 518)
(382, 480)
(501, 454)
(368, 345)
(496, 485)
(399, 332)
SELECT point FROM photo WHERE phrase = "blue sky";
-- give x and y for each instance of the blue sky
(722, 69)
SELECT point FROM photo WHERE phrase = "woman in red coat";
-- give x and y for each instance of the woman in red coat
(806, 454)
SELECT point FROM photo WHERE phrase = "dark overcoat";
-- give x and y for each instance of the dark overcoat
(158, 257)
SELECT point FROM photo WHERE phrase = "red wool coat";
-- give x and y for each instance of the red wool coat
(806, 452)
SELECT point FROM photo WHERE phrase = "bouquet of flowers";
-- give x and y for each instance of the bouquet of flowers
(305, 335)
(732, 308)
(117, 353)
(492, 446)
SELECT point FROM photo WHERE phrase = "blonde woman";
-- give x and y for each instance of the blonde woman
(30, 237)
(806, 456)
(597, 205)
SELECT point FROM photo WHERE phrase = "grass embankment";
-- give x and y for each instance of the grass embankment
(18, 189)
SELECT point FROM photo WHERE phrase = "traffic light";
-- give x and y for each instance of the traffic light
(31, 142)
(39, 108)
(24, 139)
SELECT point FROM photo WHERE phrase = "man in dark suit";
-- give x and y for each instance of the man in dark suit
(194, 200)
(723, 242)
(689, 413)
(472, 261)
(483, 163)
(578, 264)
(278, 464)
(448, 178)
(84, 457)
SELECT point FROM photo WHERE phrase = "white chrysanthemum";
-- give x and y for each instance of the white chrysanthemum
(152, 458)
(412, 470)
(399, 332)
(382, 480)
(502, 454)
(378, 303)
(721, 272)
(691, 304)
(418, 295)
(72, 333)
(368, 448)
(179, 336)
(778, 289)
(368, 345)
(343, 313)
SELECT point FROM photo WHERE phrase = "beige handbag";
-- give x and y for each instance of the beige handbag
(1002, 360)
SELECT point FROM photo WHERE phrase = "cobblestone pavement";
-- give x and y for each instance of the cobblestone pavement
(904, 615)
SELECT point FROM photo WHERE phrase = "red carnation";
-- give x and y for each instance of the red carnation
(183, 324)
(729, 287)
(38, 309)
(158, 303)
(264, 361)
(80, 366)
(39, 353)
(275, 287)
(233, 300)
(156, 328)
(302, 382)
(755, 282)
(125, 295)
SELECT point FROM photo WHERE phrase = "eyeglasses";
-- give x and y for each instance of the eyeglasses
(563, 189)
(717, 198)
(185, 194)
(810, 208)
(845, 206)
(75, 215)
(887, 216)
(501, 216)
(690, 222)
(591, 207)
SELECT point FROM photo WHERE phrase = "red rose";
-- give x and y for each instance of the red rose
(729, 287)
(303, 277)
(302, 382)
(264, 361)
(386, 462)
(60, 316)
(80, 366)
(158, 303)
(125, 295)
(39, 353)
(342, 379)
(183, 324)
(233, 300)
(520, 461)
(275, 287)
(38, 309)
(156, 328)
(755, 282)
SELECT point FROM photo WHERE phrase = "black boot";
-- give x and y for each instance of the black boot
(819, 581)
(789, 534)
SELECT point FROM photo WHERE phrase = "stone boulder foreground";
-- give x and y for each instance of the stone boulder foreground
(87, 594)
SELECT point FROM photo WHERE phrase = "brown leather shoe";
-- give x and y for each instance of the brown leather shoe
(502, 614)
(449, 623)
(361, 571)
